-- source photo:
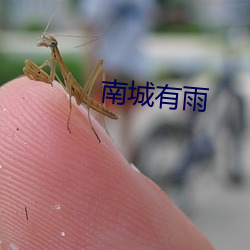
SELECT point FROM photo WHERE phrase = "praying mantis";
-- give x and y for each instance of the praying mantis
(71, 86)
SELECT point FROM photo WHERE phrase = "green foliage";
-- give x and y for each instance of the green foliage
(11, 66)
(178, 28)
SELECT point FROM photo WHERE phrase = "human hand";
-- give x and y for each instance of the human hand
(68, 191)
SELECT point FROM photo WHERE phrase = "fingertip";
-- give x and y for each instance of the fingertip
(76, 192)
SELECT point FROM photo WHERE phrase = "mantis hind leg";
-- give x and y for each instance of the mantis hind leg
(92, 127)
(104, 104)
(88, 87)
(86, 90)
(88, 93)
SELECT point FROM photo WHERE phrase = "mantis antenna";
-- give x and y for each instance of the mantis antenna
(95, 38)
(53, 14)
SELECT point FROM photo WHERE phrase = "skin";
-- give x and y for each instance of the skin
(78, 193)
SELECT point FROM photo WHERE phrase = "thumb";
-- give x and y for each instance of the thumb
(61, 190)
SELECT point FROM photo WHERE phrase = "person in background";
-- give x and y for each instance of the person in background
(121, 26)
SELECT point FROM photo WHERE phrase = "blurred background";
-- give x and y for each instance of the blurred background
(199, 158)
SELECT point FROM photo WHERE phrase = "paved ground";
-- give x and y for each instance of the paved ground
(222, 213)
(221, 210)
